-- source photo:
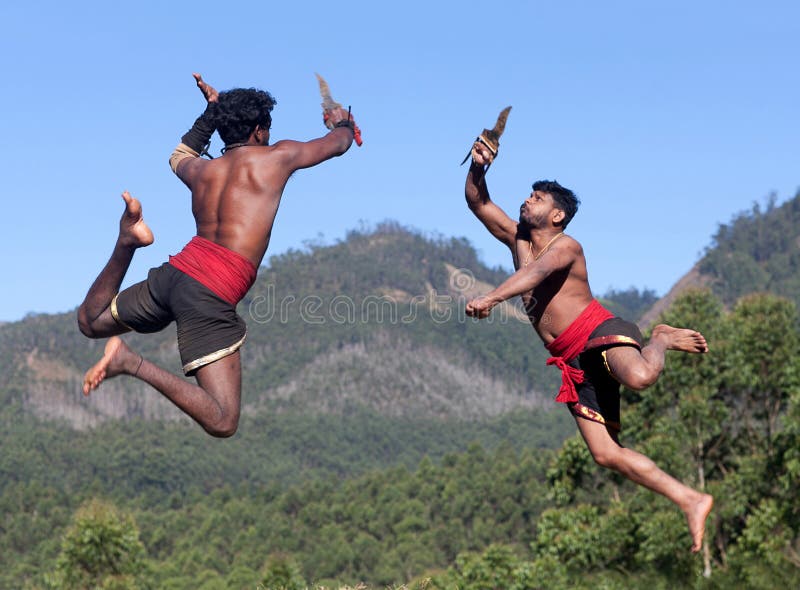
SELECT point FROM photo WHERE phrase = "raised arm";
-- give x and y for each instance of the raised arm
(500, 225)
(186, 156)
(299, 154)
(527, 278)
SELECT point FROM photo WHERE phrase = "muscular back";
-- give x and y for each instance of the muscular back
(235, 198)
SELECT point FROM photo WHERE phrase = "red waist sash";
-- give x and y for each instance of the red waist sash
(227, 273)
(570, 343)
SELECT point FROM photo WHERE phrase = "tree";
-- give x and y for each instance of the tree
(281, 572)
(679, 421)
(762, 369)
(764, 387)
(100, 550)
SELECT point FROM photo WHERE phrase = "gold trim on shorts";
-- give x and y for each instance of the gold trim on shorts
(611, 342)
(115, 314)
(211, 357)
(581, 411)
(606, 365)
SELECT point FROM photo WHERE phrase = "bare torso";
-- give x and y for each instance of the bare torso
(235, 198)
(563, 294)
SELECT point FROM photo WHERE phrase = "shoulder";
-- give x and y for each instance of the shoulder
(286, 144)
(563, 252)
(285, 148)
(570, 242)
(190, 168)
(570, 245)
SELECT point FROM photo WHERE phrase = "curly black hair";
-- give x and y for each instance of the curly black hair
(564, 198)
(239, 111)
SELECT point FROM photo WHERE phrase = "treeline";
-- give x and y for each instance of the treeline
(727, 422)
(47, 472)
(379, 528)
(631, 303)
(757, 251)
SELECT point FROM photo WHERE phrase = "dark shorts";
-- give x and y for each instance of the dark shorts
(208, 326)
(598, 395)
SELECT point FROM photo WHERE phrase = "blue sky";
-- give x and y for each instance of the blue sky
(666, 118)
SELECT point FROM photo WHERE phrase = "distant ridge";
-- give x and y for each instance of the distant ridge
(757, 251)
(691, 280)
(374, 321)
(436, 365)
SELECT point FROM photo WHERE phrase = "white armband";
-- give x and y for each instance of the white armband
(181, 152)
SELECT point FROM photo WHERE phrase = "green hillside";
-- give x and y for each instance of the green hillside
(376, 320)
(358, 358)
(387, 439)
(178, 514)
(758, 250)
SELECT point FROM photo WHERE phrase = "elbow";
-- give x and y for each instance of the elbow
(474, 203)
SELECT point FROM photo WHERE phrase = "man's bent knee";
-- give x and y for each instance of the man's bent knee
(604, 460)
(607, 457)
(638, 378)
(225, 426)
(85, 326)
(223, 430)
(101, 327)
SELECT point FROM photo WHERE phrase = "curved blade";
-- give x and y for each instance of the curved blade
(492, 136)
(324, 90)
(500, 126)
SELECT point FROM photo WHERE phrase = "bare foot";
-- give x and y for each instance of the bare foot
(117, 359)
(696, 515)
(133, 231)
(682, 339)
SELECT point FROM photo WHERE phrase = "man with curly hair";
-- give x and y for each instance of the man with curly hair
(234, 201)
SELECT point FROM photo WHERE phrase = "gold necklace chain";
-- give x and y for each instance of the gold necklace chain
(542, 251)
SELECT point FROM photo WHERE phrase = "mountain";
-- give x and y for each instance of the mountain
(374, 321)
(757, 251)
(359, 364)
(358, 358)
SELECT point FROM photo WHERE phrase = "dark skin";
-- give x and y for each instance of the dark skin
(552, 280)
(555, 286)
(235, 199)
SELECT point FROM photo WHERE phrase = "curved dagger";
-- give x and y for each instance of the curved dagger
(491, 137)
(329, 104)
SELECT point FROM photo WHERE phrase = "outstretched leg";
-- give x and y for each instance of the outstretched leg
(214, 403)
(639, 370)
(94, 316)
(640, 469)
